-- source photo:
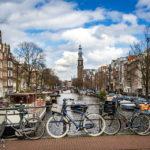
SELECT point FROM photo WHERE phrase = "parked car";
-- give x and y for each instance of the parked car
(111, 97)
(140, 100)
(90, 92)
(97, 93)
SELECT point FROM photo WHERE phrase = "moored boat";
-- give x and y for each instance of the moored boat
(29, 100)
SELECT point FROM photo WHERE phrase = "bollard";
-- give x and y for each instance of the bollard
(100, 108)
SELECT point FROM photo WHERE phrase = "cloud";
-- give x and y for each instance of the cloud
(53, 15)
(130, 18)
(103, 57)
(98, 42)
(143, 3)
(59, 27)
(143, 9)
(67, 64)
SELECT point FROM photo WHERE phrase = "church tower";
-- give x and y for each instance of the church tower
(80, 67)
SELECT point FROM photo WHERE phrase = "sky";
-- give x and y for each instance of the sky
(104, 28)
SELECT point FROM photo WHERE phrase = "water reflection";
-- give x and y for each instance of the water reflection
(77, 98)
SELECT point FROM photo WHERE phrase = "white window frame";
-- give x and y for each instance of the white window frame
(10, 82)
(10, 73)
(10, 64)
(1, 74)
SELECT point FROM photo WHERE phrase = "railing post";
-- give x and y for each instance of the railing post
(21, 108)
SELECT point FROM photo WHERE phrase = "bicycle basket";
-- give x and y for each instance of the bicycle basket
(145, 108)
(109, 107)
(79, 108)
(56, 108)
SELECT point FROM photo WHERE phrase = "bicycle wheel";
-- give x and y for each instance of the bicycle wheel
(57, 126)
(113, 124)
(33, 128)
(94, 124)
(141, 124)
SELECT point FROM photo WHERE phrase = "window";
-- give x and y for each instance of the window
(10, 82)
(0, 74)
(3, 48)
(1, 56)
(10, 65)
(10, 73)
(0, 64)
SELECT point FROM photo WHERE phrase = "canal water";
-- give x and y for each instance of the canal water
(93, 107)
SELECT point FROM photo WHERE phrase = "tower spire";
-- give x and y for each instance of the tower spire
(80, 51)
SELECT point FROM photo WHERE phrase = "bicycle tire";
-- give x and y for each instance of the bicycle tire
(148, 132)
(33, 128)
(55, 124)
(113, 124)
(2, 129)
(97, 120)
(141, 124)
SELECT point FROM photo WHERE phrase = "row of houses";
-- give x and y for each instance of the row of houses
(121, 75)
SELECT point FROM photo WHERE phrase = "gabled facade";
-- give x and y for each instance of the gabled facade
(7, 74)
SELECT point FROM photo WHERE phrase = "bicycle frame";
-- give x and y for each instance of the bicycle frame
(126, 121)
(15, 126)
(83, 116)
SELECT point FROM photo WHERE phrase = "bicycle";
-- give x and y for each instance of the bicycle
(31, 128)
(58, 125)
(145, 111)
(138, 122)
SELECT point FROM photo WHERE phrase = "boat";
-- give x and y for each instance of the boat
(49, 97)
(32, 100)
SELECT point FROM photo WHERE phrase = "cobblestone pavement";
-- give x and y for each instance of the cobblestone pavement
(119, 142)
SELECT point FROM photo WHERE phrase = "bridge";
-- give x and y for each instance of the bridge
(117, 142)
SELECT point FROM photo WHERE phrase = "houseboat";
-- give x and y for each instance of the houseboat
(49, 97)
(29, 100)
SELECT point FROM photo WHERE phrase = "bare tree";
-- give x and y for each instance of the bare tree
(75, 82)
(31, 56)
(49, 79)
(142, 52)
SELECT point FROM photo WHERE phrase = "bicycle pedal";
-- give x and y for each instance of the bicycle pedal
(18, 134)
(78, 129)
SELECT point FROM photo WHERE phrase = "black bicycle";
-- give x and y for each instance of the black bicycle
(58, 125)
(31, 128)
(138, 122)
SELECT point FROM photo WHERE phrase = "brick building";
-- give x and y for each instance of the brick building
(7, 74)
(102, 78)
